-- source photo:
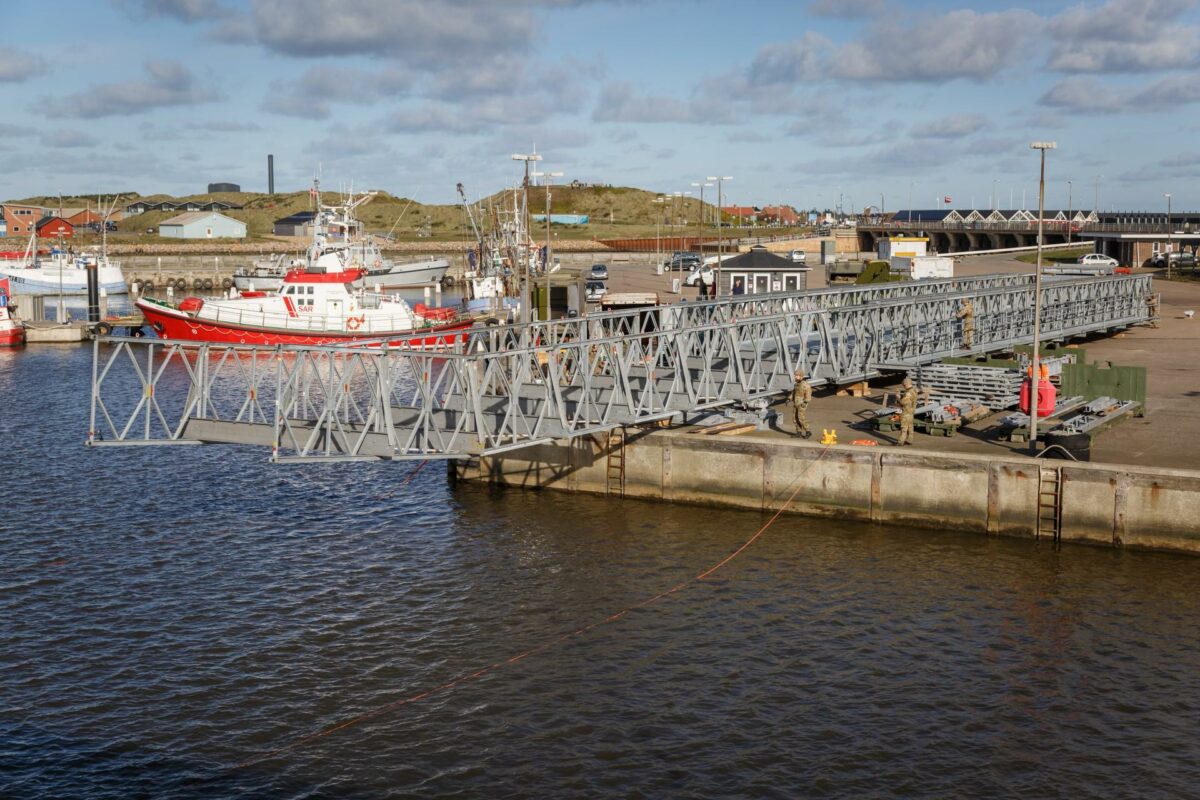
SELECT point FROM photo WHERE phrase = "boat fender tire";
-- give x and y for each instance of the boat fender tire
(102, 329)
(208, 283)
(147, 285)
(180, 284)
(227, 283)
(448, 280)
(491, 321)
(197, 283)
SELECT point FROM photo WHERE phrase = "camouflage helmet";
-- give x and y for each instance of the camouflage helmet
(907, 382)
(799, 372)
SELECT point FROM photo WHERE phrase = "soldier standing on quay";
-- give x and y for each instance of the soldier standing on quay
(801, 397)
(967, 314)
(908, 406)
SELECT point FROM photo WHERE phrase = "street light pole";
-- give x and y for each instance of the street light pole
(1168, 196)
(1035, 374)
(549, 249)
(1070, 212)
(700, 238)
(720, 242)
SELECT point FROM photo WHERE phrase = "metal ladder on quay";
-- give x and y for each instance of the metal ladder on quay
(1049, 519)
(615, 483)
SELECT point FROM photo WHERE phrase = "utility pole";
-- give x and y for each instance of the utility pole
(1035, 374)
(720, 242)
(1168, 196)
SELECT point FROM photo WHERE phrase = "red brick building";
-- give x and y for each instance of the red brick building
(20, 219)
(779, 215)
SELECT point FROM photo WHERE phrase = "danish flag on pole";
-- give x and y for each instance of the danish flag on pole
(947, 199)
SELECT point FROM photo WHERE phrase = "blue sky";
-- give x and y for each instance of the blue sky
(808, 103)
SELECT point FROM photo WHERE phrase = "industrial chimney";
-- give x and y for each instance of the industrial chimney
(270, 174)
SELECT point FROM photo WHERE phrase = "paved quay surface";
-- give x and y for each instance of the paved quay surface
(1167, 436)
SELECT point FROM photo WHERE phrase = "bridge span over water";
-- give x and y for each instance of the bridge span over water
(505, 387)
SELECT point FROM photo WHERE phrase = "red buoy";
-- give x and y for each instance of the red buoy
(1047, 397)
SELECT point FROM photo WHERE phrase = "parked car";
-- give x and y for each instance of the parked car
(594, 291)
(705, 273)
(682, 261)
(798, 256)
(1183, 259)
(1097, 260)
(598, 272)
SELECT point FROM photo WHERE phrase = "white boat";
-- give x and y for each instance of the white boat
(393, 275)
(264, 275)
(343, 233)
(32, 272)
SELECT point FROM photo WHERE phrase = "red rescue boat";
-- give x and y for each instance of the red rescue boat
(311, 308)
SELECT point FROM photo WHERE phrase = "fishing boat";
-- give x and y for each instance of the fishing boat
(264, 275)
(313, 307)
(343, 235)
(58, 271)
(12, 333)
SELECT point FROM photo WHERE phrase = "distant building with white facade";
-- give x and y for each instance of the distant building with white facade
(202, 225)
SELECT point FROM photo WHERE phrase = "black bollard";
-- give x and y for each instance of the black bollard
(93, 290)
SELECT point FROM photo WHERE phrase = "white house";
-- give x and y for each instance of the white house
(202, 225)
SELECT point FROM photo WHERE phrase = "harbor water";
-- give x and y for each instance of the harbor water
(193, 622)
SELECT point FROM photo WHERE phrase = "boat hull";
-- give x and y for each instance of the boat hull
(258, 283)
(417, 273)
(12, 334)
(171, 323)
(43, 281)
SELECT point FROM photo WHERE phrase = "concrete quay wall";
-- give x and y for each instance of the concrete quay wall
(1114, 505)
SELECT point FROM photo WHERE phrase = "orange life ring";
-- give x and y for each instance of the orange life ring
(353, 322)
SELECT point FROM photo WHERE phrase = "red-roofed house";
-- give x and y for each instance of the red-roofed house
(54, 228)
(741, 213)
(779, 215)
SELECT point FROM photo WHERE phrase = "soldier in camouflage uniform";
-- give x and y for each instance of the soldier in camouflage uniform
(908, 405)
(801, 397)
(967, 314)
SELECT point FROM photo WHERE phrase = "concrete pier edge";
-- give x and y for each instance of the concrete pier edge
(1102, 504)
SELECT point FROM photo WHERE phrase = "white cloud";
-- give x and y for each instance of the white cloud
(959, 44)
(183, 10)
(790, 62)
(1084, 95)
(169, 84)
(1088, 96)
(1124, 36)
(17, 65)
(846, 9)
(412, 30)
(310, 96)
(63, 138)
(954, 126)
(618, 102)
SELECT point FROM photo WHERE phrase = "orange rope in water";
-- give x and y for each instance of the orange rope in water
(473, 676)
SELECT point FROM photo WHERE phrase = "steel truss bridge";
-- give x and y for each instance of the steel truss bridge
(505, 387)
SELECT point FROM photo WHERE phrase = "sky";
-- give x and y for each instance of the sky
(814, 103)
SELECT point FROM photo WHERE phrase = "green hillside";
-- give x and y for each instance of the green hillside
(614, 211)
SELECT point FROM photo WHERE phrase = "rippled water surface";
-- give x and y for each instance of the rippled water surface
(167, 614)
